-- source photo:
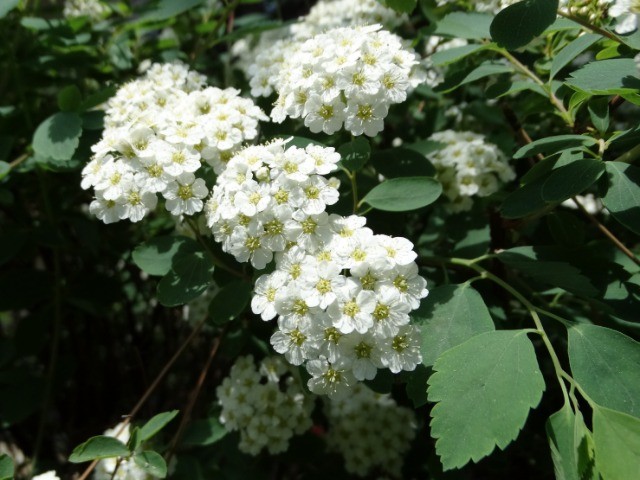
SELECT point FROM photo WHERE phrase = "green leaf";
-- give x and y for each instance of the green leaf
(449, 316)
(230, 301)
(203, 432)
(616, 437)
(404, 193)
(417, 385)
(190, 275)
(599, 113)
(484, 389)
(98, 98)
(485, 69)
(622, 197)
(98, 447)
(151, 462)
(518, 24)
(524, 201)
(554, 144)
(566, 229)
(606, 364)
(402, 6)
(452, 55)
(5, 168)
(166, 9)
(566, 433)
(402, 162)
(355, 154)
(6, 467)
(472, 26)
(155, 424)
(571, 179)
(156, 256)
(69, 99)
(571, 51)
(58, 136)
(5, 7)
(606, 77)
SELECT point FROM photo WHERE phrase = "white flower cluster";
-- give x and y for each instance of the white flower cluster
(468, 166)
(266, 404)
(626, 13)
(263, 62)
(126, 467)
(50, 475)
(347, 76)
(434, 74)
(93, 9)
(370, 431)
(159, 130)
(342, 295)
(491, 6)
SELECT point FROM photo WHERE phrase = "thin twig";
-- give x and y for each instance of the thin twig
(589, 26)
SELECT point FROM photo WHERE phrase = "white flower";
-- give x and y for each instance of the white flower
(402, 351)
(353, 308)
(327, 379)
(50, 475)
(184, 195)
(626, 13)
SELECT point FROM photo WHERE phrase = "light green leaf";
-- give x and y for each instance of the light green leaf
(152, 463)
(623, 194)
(355, 154)
(554, 144)
(98, 447)
(565, 436)
(606, 77)
(5, 168)
(449, 316)
(452, 55)
(616, 437)
(5, 7)
(484, 389)
(230, 301)
(571, 51)
(6, 467)
(485, 69)
(472, 26)
(155, 424)
(203, 432)
(571, 179)
(518, 24)
(404, 193)
(156, 256)
(189, 277)
(606, 364)
(58, 136)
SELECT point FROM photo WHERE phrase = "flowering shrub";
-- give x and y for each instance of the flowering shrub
(402, 233)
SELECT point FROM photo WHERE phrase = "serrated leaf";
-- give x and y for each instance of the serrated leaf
(98, 447)
(484, 389)
(606, 77)
(404, 194)
(203, 432)
(152, 463)
(230, 301)
(156, 255)
(449, 316)
(58, 136)
(606, 364)
(355, 154)
(155, 424)
(554, 144)
(565, 434)
(616, 436)
(190, 275)
(571, 179)
(6, 467)
(571, 51)
(518, 24)
(622, 197)
(472, 26)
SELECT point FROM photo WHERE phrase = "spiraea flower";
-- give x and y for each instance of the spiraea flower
(119, 468)
(266, 404)
(468, 166)
(94, 9)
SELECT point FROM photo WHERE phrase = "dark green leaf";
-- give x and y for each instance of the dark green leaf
(599, 113)
(355, 154)
(98, 98)
(156, 256)
(450, 55)
(5, 168)
(617, 440)
(566, 229)
(98, 447)
(166, 9)
(571, 51)
(571, 179)
(472, 26)
(524, 201)
(484, 389)
(606, 364)
(58, 136)
(518, 24)
(6, 467)
(152, 463)
(230, 301)
(155, 424)
(69, 99)
(402, 6)
(404, 193)
(622, 197)
(554, 144)
(203, 432)
(189, 277)
(449, 316)
(402, 162)
(417, 385)
(486, 69)
(606, 77)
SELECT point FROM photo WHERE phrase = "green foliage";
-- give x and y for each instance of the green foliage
(156, 256)
(483, 389)
(402, 6)
(98, 447)
(616, 437)
(571, 51)
(6, 467)
(606, 364)
(554, 144)
(404, 193)
(518, 24)
(230, 301)
(204, 432)
(355, 154)
(58, 136)
(190, 275)
(606, 77)
(155, 424)
(151, 462)
(472, 26)
(622, 195)
(571, 179)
